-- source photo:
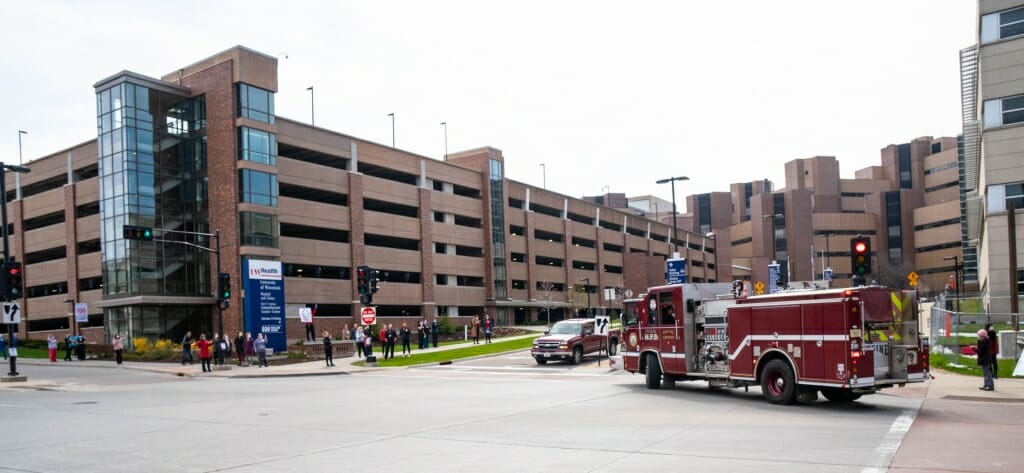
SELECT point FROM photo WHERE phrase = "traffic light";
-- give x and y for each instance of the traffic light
(363, 279)
(860, 259)
(223, 286)
(135, 232)
(12, 275)
(374, 279)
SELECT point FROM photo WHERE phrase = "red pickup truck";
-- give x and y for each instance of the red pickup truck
(571, 340)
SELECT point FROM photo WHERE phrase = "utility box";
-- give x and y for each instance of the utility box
(1007, 344)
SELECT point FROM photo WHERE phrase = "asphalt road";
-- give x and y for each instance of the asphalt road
(502, 414)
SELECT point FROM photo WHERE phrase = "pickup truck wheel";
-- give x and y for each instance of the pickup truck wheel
(541, 361)
(778, 385)
(577, 355)
(613, 348)
(653, 372)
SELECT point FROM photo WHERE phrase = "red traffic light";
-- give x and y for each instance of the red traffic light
(13, 271)
(860, 247)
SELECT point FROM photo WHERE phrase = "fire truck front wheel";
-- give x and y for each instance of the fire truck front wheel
(778, 384)
(653, 372)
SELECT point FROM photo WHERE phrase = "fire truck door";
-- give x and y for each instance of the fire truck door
(669, 331)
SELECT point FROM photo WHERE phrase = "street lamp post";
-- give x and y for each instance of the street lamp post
(675, 221)
(7, 248)
(544, 175)
(312, 115)
(586, 289)
(392, 128)
(74, 323)
(445, 125)
(828, 259)
(956, 279)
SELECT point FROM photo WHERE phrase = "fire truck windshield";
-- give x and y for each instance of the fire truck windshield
(565, 329)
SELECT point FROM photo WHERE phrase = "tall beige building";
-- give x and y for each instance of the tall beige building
(992, 77)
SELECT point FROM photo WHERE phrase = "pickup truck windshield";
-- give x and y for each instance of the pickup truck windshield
(565, 329)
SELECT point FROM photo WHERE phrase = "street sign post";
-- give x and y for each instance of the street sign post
(676, 270)
(759, 288)
(773, 278)
(602, 324)
(912, 279)
(368, 315)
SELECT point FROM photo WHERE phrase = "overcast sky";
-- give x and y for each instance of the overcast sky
(609, 95)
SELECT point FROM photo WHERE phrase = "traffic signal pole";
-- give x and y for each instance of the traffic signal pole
(7, 257)
(220, 304)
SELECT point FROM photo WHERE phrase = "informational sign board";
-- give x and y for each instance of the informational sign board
(306, 315)
(676, 270)
(12, 313)
(81, 312)
(773, 278)
(601, 325)
(828, 274)
(264, 301)
(368, 315)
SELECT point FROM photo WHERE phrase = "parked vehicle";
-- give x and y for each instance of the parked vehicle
(571, 340)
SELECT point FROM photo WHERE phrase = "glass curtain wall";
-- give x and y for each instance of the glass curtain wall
(152, 167)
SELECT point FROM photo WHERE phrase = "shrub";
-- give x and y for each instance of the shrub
(445, 325)
(149, 350)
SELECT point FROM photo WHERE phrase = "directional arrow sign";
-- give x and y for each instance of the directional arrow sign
(12, 313)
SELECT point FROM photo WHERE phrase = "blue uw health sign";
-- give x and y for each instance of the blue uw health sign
(676, 270)
(264, 302)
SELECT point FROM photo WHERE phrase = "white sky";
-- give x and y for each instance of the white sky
(615, 94)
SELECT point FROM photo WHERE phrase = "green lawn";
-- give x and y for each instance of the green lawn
(969, 366)
(449, 355)
(34, 353)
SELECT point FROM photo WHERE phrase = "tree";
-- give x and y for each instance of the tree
(546, 297)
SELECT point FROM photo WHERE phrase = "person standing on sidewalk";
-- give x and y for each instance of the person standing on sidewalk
(994, 343)
(985, 359)
(488, 328)
(240, 347)
(79, 347)
(328, 349)
(360, 339)
(3, 346)
(261, 350)
(250, 348)
(474, 330)
(435, 330)
(218, 351)
(186, 348)
(69, 343)
(118, 348)
(390, 337)
(51, 345)
(405, 334)
(423, 333)
(204, 353)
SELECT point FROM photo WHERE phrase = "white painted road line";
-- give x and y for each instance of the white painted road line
(886, 451)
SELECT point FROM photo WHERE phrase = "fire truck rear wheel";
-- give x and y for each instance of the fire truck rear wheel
(778, 384)
(840, 395)
(653, 372)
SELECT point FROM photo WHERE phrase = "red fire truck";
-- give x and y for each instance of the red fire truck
(841, 342)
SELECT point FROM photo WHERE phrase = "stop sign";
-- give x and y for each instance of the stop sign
(368, 315)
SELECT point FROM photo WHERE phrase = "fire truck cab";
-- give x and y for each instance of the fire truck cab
(841, 342)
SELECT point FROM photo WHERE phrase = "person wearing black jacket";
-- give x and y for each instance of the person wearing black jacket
(240, 347)
(328, 349)
(405, 334)
(389, 342)
(985, 359)
(994, 343)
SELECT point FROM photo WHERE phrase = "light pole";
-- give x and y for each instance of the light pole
(445, 125)
(74, 323)
(17, 177)
(956, 279)
(392, 115)
(312, 115)
(828, 259)
(544, 175)
(7, 245)
(675, 221)
(586, 289)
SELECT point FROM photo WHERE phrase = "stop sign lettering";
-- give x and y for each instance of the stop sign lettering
(368, 315)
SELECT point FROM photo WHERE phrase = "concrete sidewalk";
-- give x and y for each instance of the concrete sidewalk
(309, 368)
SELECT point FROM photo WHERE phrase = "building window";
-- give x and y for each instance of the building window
(257, 146)
(1005, 111)
(258, 229)
(1015, 196)
(903, 161)
(257, 187)
(255, 103)
(1020, 281)
(1002, 25)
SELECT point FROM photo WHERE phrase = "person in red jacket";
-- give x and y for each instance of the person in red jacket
(204, 352)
